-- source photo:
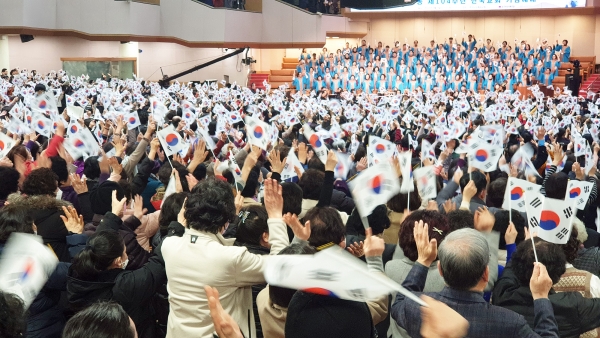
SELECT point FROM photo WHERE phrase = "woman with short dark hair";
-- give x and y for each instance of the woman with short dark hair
(98, 273)
(100, 320)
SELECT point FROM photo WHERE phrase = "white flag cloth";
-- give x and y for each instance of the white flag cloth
(235, 168)
(75, 112)
(374, 186)
(514, 194)
(316, 142)
(133, 120)
(579, 146)
(379, 150)
(405, 159)
(589, 159)
(578, 192)
(288, 169)
(73, 128)
(82, 144)
(69, 100)
(331, 272)
(485, 157)
(426, 182)
(210, 143)
(552, 219)
(170, 189)
(258, 132)
(427, 151)
(170, 140)
(44, 103)
(6, 144)
(25, 266)
(42, 125)
(343, 165)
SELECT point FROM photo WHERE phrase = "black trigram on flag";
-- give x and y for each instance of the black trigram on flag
(536, 202)
(562, 233)
(533, 222)
(568, 212)
(586, 189)
(357, 293)
(487, 165)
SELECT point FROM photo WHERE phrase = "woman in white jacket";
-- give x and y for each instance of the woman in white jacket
(203, 257)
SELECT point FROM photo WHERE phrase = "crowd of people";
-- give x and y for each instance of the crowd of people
(163, 203)
(469, 64)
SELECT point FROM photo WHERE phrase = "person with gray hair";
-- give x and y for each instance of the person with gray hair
(463, 263)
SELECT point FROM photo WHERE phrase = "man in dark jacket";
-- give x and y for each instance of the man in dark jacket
(463, 262)
(574, 313)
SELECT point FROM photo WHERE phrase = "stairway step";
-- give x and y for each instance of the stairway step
(290, 60)
(288, 65)
(280, 72)
(276, 84)
(284, 78)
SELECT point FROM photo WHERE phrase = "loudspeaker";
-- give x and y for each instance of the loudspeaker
(26, 38)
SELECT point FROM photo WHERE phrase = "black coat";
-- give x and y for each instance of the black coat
(46, 318)
(574, 314)
(136, 254)
(133, 290)
(341, 202)
(46, 212)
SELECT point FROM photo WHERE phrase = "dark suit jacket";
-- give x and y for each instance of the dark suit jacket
(485, 320)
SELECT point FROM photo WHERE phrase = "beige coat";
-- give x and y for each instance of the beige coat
(200, 258)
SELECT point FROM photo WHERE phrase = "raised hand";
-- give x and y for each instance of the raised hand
(540, 282)
(138, 207)
(510, 236)
(224, 324)
(73, 221)
(277, 164)
(373, 245)
(273, 199)
(79, 184)
(427, 249)
(300, 231)
(117, 205)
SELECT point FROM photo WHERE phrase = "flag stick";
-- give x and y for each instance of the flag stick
(365, 222)
(510, 209)
(533, 243)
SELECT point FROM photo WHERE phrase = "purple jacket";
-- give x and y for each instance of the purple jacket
(69, 195)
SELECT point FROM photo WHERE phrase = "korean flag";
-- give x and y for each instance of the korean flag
(343, 165)
(6, 144)
(133, 120)
(552, 219)
(485, 157)
(316, 143)
(170, 140)
(514, 194)
(426, 182)
(258, 132)
(578, 192)
(379, 150)
(374, 186)
(407, 175)
(42, 125)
